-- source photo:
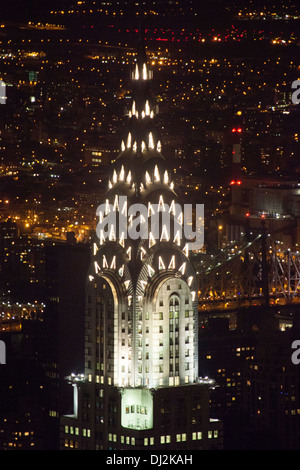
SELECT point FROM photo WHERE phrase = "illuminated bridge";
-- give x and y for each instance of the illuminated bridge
(255, 270)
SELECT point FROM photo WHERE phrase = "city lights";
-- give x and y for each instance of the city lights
(149, 228)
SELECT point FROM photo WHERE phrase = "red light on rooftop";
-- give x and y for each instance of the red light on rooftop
(232, 182)
(238, 182)
(239, 130)
(247, 214)
(233, 130)
(263, 216)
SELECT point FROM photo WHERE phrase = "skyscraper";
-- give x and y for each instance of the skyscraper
(140, 388)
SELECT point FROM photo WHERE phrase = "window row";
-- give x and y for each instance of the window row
(164, 439)
(75, 431)
(136, 409)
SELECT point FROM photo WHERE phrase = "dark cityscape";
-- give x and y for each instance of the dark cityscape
(154, 344)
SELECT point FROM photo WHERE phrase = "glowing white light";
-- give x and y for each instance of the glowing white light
(134, 148)
(107, 207)
(172, 185)
(102, 237)
(151, 141)
(124, 208)
(110, 185)
(161, 263)
(129, 140)
(166, 177)
(161, 204)
(121, 240)
(147, 108)
(137, 75)
(164, 234)
(172, 209)
(143, 252)
(95, 248)
(133, 107)
(113, 263)
(115, 177)
(172, 263)
(126, 284)
(182, 268)
(129, 177)
(91, 278)
(156, 173)
(116, 203)
(121, 271)
(144, 72)
(148, 179)
(143, 114)
(190, 280)
(151, 240)
(150, 209)
(97, 267)
(112, 234)
(122, 173)
(151, 271)
(158, 146)
(177, 238)
(123, 146)
(193, 295)
(143, 146)
(104, 262)
(143, 284)
(128, 252)
(186, 250)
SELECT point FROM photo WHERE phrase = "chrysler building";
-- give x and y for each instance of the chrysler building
(141, 388)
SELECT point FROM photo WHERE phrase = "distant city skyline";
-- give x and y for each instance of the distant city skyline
(200, 341)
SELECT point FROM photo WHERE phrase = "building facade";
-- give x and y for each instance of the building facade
(141, 388)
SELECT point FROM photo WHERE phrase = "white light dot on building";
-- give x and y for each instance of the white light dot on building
(129, 140)
(172, 263)
(161, 264)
